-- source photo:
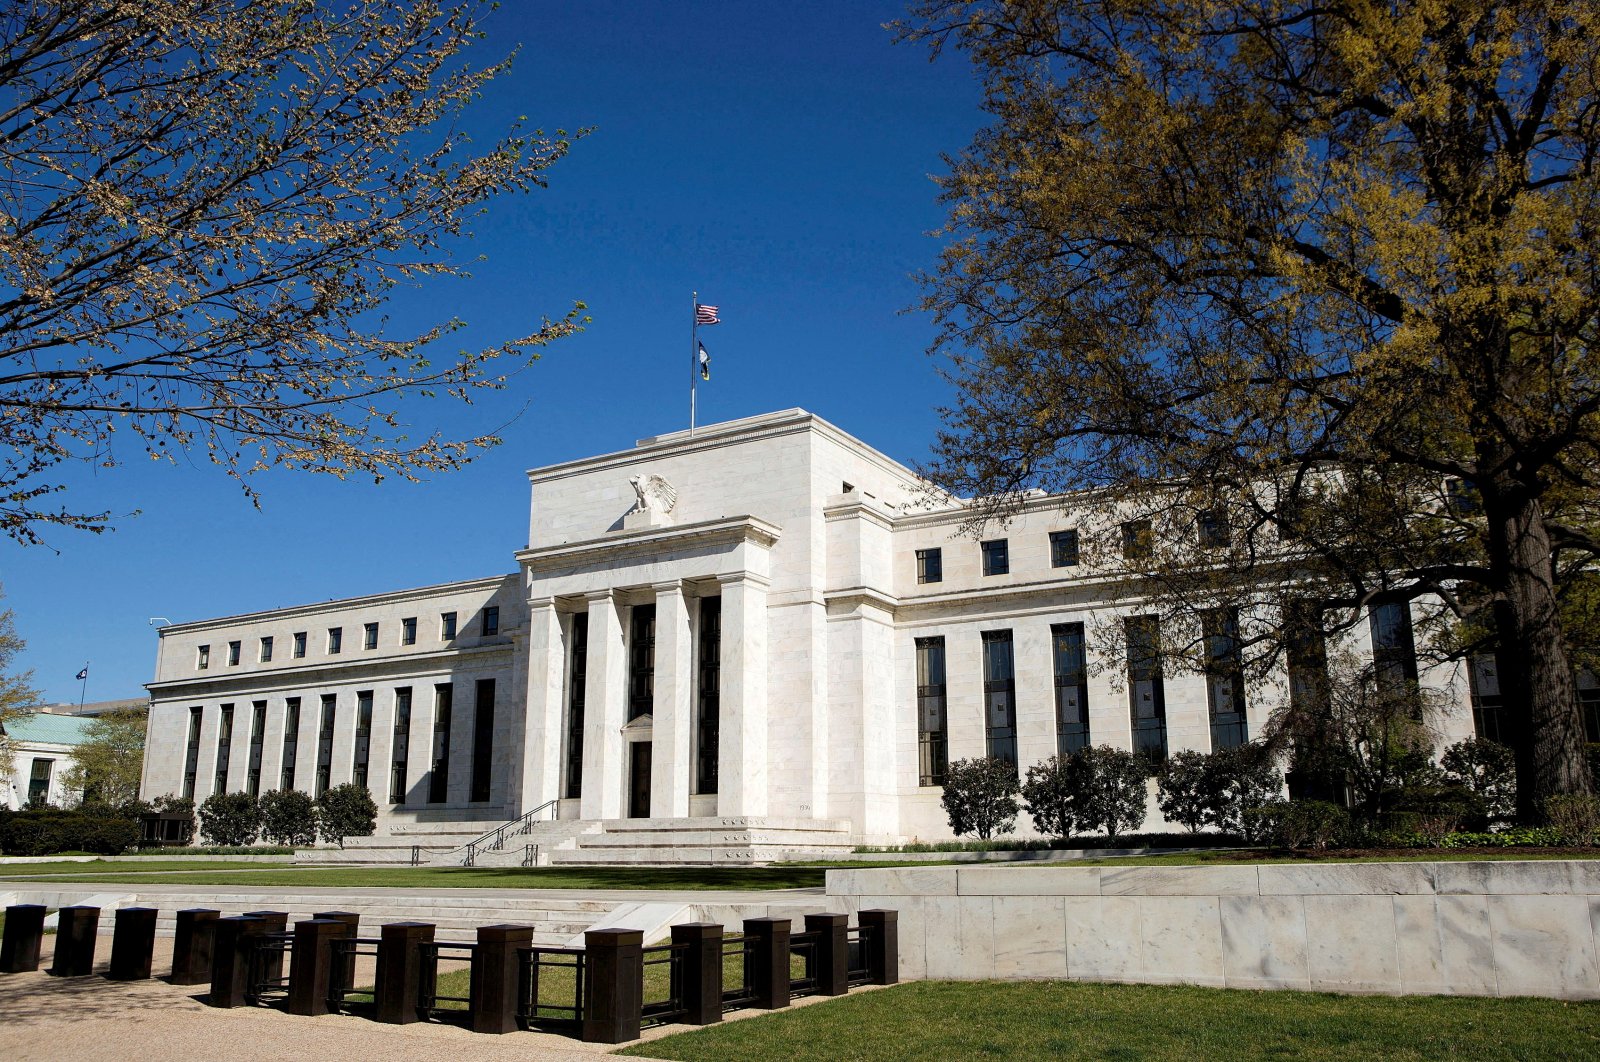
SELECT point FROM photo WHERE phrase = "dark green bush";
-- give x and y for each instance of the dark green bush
(980, 796)
(288, 817)
(1299, 823)
(51, 831)
(346, 811)
(230, 819)
(1200, 789)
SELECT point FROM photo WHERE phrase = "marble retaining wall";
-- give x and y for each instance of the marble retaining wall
(1472, 928)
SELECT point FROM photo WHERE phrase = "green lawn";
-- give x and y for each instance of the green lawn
(436, 877)
(151, 865)
(942, 1021)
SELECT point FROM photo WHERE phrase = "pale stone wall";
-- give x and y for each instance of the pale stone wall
(1470, 928)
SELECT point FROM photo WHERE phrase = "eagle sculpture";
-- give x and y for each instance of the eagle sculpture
(655, 494)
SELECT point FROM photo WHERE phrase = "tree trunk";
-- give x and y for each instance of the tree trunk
(1536, 676)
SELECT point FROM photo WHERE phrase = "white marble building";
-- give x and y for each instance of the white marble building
(757, 622)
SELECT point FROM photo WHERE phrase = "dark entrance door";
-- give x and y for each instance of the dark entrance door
(639, 780)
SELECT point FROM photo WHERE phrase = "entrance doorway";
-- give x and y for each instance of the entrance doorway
(639, 780)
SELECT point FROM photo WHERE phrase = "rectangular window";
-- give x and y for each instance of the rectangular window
(708, 720)
(1000, 696)
(224, 749)
(1394, 652)
(447, 626)
(1483, 682)
(233, 654)
(933, 735)
(325, 743)
(191, 759)
(363, 751)
(369, 636)
(39, 781)
(482, 740)
(930, 565)
(401, 745)
(491, 621)
(1211, 529)
(641, 661)
(1589, 703)
(335, 639)
(1072, 687)
(258, 735)
(265, 655)
(1224, 679)
(291, 741)
(439, 770)
(1146, 688)
(576, 680)
(299, 645)
(996, 557)
(202, 658)
(1306, 652)
(408, 631)
(1064, 549)
(1138, 540)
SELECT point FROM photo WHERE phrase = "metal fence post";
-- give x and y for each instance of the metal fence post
(75, 940)
(133, 940)
(230, 966)
(882, 945)
(400, 971)
(311, 965)
(191, 946)
(351, 920)
(702, 971)
(769, 974)
(832, 962)
(19, 951)
(614, 992)
(272, 922)
(496, 969)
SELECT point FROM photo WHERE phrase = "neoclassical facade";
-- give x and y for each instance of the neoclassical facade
(763, 620)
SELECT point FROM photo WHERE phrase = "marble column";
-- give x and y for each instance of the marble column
(541, 744)
(742, 752)
(672, 711)
(605, 710)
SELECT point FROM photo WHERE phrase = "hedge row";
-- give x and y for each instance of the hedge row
(51, 831)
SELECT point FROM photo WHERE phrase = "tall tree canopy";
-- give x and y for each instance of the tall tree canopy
(17, 695)
(1320, 277)
(205, 202)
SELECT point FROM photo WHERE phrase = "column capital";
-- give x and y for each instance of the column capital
(669, 586)
(743, 578)
(536, 604)
(600, 597)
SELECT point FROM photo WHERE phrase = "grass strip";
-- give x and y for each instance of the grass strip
(939, 1021)
(621, 878)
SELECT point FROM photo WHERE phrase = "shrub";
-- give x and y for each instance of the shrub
(1108, 789)
(48, 831)
(230, 819)
(1299, 823)
(1185, 790)
(1575, 816)
(1047, 797)
(1198, 789)
(1488, 769)
(288, 817)
(980, 796)
(346, 811)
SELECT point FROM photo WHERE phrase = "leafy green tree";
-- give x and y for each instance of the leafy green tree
(980, 796)
(289, 817)
(17, 694)
(211, 204)
(346, 811)
(1107, 789)
(1186, 790)
(230, 819)
(108, 764)
(1047, 797)
(1313, 287)
(1486, 768)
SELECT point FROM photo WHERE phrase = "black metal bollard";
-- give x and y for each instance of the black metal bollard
(19, 950)
(400, 971)
(75, 940)
(230, 966)
(275, 922)
(495, 977)
(702, 971)
(882, 944)
(614, 988)
(832, 962)
(191, 946)
(133, 939)
(352, 923)
(311, 970)
(769, 961)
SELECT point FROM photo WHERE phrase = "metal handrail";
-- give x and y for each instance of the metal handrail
(494, 840)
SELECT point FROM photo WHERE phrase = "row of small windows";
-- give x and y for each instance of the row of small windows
(1138, 540)
(489, 625)
(434, 787)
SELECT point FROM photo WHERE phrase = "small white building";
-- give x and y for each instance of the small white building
(758, 622)
(43, 746)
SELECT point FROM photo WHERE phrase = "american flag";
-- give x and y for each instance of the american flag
(706, 315)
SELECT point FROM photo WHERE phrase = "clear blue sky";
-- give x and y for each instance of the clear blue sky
(775, 156)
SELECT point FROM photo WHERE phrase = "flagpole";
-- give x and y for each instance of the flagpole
(84, 688)
(694, 359)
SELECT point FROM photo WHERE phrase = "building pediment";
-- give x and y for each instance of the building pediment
(630, 544)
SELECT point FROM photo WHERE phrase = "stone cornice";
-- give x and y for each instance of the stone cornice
(654, 540)
(323, 673)
(339, 604)
(852, 596)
